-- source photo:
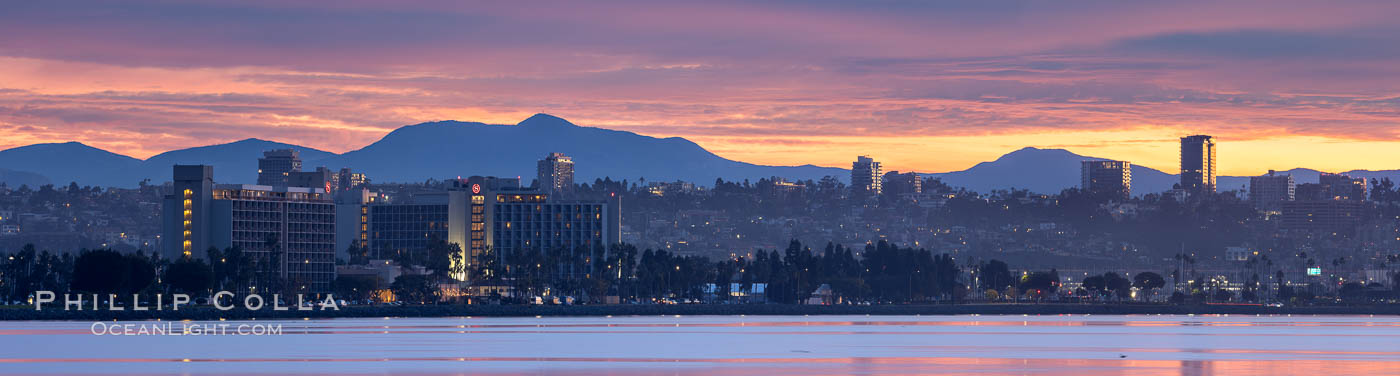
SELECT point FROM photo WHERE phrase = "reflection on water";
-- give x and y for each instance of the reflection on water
(753, 345)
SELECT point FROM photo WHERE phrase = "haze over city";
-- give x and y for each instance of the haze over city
(926, 87)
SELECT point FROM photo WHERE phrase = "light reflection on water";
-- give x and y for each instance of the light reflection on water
(752, 345)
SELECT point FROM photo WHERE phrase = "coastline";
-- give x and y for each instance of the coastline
(209, 313)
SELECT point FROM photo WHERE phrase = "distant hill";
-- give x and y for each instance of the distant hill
(1303, 175)
(68, 162)
(452, 148)
(15, 179)
(1044, 171)
(233, 162)
(423, 151)
(1054, 170)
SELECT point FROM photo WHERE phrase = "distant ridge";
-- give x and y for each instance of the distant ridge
(433, 150)
(15, 179)
(72, 162)
(443, 149)
(233, 162)
(1053, 170)
(462, 148)
(1044, 171)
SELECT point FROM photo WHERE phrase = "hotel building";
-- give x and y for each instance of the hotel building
(289, 231)
(480, 213)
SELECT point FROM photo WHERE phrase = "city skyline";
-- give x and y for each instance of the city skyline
(933, 87)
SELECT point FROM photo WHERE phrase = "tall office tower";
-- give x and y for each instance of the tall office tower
(898, 185)
(1270, 191)
(865, 178)
(1111, 177)
(276, 165)
(294, 225)
(1197, 164)
(185, 225)
(556, 173)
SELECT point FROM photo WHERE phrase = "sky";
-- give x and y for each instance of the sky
(927, 86)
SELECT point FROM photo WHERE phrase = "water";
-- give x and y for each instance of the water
(753, 345)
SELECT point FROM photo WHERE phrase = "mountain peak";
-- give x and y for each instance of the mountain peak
(435, 150)
(545, 120)
(63, 147)
(1038, 153)
(70, 161)
(47, 145)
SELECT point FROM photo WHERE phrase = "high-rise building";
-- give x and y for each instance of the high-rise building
(556, 173)
(276, 165)
(1198, 164)
(898, 185)
(1270, 191)
(185, 223)
(1107, 177)
(866, 178)
(288, 232)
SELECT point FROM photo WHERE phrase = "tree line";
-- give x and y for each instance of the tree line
(879, 272)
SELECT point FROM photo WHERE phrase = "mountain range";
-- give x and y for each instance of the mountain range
(447, 149)
(452, 148)
(414, 153)
(1053, 170)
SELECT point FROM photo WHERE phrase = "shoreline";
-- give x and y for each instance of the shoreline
(209, 313)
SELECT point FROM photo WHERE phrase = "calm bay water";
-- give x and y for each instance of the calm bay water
(752, 345)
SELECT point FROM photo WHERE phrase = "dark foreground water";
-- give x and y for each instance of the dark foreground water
(703, 345)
